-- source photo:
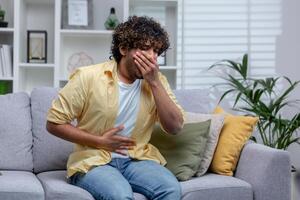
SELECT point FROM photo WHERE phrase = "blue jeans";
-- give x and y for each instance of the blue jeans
(121, 177)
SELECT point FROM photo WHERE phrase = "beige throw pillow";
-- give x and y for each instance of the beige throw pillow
(217, 121)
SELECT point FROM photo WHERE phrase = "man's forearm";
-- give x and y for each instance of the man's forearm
(73, 134)
(108, 141)
(169, 114)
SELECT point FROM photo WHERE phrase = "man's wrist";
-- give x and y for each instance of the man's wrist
(155, 84)
(99, 142)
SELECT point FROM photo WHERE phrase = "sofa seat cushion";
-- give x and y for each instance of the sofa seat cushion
(56, 187)
(208, 187)
(216, 187)
(20, 185)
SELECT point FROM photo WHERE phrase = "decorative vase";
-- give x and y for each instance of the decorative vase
(2, 15)
(112, 20)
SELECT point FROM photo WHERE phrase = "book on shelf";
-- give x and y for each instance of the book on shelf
(6, 60)
(1, 65)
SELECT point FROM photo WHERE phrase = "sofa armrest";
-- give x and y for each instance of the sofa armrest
(268, 171)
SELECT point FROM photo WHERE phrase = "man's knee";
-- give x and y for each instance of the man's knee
(118, 195)
(174, 190)
(170, 190)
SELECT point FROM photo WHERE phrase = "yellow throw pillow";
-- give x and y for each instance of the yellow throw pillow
(234, 134)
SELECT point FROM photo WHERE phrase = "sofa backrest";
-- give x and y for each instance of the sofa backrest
(49, 152)
(15, 132)
(196, 100)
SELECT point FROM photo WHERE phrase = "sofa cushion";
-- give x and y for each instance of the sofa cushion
(15, 132)
(20, 185)
(209, 186)
(49, 152)
(183, 152)
(56, 187)
(195, 100)
(234, 134)
(216, 187)
(217, 122)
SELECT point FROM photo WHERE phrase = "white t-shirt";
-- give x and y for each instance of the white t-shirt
(129, 101)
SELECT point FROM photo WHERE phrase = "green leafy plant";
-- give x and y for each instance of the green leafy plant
(2, 14)
(260, 97)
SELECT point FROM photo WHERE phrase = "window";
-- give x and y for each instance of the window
(212, 30)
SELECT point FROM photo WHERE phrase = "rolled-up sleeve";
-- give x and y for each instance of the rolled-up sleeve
(70, 101)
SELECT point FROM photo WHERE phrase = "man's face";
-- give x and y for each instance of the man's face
(133, 71)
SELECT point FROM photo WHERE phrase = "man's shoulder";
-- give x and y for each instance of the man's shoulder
(96, 70)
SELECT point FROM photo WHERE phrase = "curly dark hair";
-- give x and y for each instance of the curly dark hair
(139, 33)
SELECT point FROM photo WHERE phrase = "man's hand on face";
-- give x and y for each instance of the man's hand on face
(113, 142)
(147, 64)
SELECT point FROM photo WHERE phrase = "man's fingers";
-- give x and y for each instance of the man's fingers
(122, 152)
(124, 140)
(143, 60)
(145, 63)
(115, 130)
(125, 148)
(141, 68)
(149, 58)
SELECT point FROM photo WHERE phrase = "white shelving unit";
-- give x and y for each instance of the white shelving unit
(7, 35)
(24, 15)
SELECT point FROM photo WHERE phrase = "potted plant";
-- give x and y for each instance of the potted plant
(2, 15)
(259, 97)
(112, 20)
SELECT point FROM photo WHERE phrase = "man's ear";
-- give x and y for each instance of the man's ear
(123, 51)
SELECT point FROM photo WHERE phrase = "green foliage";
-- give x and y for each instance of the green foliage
(2, 14)
(259, 97)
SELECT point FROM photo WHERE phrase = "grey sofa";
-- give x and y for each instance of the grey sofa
(32, 161)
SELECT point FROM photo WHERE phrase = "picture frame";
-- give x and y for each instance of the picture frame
(36, 46)
(77, 14)
(161, 60)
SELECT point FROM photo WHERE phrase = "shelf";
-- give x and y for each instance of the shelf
(36, 65)
(40, 1)
(36, 15)
(153, 2)
(83, 33)
(6, 30)
(30, 78)
(63, 79)
(6, 78)
(70, 46)
(168, 67)
(100, 10)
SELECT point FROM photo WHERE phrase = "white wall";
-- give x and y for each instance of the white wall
(288, 64)
(288, 55)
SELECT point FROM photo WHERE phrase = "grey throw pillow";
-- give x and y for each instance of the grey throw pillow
(184, 150)
(15, 132)
(217, 121)
(49, 151)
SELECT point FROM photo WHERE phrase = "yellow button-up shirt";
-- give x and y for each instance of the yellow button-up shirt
(92, 97)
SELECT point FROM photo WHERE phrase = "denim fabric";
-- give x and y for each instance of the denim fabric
(122, 176)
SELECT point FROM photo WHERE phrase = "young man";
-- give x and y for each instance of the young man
(116, 104)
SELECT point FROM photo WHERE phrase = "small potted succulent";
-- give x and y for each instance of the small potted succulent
(2, 15)
(112, 20)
